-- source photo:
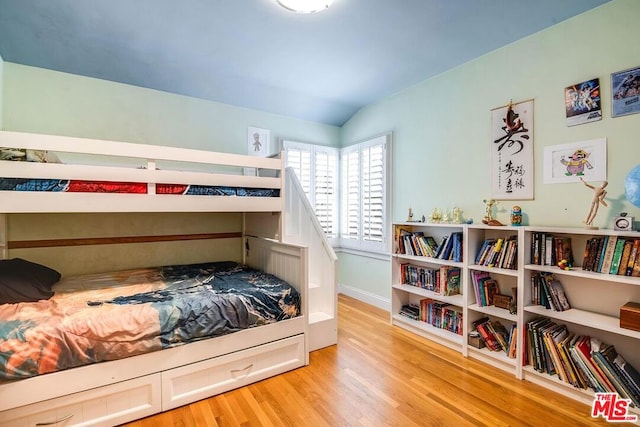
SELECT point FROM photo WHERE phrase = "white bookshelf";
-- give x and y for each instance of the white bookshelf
(595, 298)
(402, 294)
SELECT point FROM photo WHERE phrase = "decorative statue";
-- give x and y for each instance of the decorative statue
(516, 215)
(410, 217)
(457, 215)
(488, 212)
(436, 215)
(599, 194)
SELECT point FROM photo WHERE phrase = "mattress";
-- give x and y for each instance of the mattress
(80, 186)
(108, 316)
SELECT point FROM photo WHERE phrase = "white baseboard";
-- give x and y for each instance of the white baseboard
(364, 296)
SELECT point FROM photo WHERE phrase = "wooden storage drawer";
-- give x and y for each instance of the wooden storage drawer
(213, 376)
(105, 406)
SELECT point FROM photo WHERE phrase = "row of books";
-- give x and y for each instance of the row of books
(444, 280)
(484, 287)
(496, 336)
(418, 244)
(580, 360)
(547, 249)
(548, 291)
(612, 255)
(436, 313)
(498, 252)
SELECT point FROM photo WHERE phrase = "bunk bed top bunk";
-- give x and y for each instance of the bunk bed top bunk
(150, 179)
(89, 175)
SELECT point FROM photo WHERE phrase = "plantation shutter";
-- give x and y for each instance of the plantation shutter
(299, 159)
(326, 184)
(317, 170)
(372, 193)
(350, 195)
(365, 186)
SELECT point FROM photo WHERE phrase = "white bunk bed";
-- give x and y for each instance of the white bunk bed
(118, 391)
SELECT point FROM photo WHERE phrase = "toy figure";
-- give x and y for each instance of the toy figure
(598, 199)
(410, 217)
(488, 213)
(456, 215)
(516, 216)
(564, 264)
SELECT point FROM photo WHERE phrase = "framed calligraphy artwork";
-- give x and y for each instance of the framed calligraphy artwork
(512, 152)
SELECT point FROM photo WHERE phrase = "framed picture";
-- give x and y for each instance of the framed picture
(625, 92)
(258, 142)
(569, 162)
(582, 102)
(512, 152)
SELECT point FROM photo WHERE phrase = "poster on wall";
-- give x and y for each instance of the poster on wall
(512, 151)
(582, 102)
(569, 162)
(625, 91)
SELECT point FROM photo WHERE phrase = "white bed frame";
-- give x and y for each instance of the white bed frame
(119, 391)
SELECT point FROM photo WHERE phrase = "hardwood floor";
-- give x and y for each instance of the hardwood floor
(379, 375)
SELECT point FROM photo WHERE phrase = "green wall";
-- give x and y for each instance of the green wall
(442, 129)
(43, 101)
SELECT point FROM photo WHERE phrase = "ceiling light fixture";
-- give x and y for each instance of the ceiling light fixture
(305, 6)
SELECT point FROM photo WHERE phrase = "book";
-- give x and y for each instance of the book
(558, 296)
(607, 258)
(632, 257)
(617, 256)
(624, 260)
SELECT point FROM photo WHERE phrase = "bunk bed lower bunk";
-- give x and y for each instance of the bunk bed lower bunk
(80, 376)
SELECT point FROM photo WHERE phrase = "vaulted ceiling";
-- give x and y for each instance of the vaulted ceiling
(321, 67)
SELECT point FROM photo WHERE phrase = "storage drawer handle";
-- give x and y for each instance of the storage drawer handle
(235, 371)
(50, 423)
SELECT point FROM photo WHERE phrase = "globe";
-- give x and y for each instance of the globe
(632, 186)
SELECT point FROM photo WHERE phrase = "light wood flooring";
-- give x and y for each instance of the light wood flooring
(379, 375)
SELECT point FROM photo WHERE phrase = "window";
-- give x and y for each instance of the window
(317, 170)
(363, 182)
(364, 195)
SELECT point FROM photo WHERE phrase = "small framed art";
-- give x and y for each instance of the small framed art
(569, 162)
(257, 142)
(582, 102)
(625, 92)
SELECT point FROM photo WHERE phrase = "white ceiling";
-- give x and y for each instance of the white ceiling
(252, 53)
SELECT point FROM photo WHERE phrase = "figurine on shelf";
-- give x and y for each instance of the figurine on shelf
(488, 213)
(516, 216)
(599, 194)
(457, 212)
(435, 216)
(410, 217)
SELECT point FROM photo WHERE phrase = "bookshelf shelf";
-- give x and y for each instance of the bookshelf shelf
(494, 311)
(585, 318)
(494, 270)
(427, 260)
(595, 297)
(452, 299)
(491, 357)
(430, 331)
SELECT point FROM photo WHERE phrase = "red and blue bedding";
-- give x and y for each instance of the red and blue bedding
(100, 317)
(81, 186)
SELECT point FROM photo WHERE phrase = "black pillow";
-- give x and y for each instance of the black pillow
(25, 281)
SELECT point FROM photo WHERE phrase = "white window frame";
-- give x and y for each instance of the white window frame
(360, 242)
(313, 149)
